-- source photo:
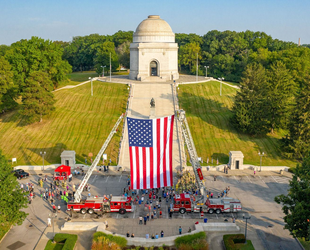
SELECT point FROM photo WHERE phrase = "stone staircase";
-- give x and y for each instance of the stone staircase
(139, 107)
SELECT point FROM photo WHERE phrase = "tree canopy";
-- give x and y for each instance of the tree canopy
(12, 198)
(296, 204)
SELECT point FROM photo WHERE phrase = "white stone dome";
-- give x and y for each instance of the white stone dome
(153, 30)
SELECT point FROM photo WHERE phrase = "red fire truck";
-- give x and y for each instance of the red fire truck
(102, 204)
(187, 203)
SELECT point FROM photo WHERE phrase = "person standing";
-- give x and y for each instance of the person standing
(145, 219)
(254, 172)
(162, 234)
(180, 230)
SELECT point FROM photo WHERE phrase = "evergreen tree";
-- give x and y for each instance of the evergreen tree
(12, 198)
(250, 102)
(37, 97)
(281, 95)
(296, 204)
(297, 142)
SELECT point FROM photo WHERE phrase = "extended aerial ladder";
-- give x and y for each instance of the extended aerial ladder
(191, 151)
(78, 193)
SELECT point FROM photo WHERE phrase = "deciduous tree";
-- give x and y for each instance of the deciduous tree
(296, 204)
(12, 198)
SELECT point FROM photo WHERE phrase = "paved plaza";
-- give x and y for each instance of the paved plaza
(265, 228)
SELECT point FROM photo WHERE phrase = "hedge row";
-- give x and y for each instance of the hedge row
(188, 239)
(121, 241)
(236, 241)
(69, 241)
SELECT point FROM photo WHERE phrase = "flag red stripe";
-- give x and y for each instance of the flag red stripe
(165, 138)
(131, 169)
(151, 169)
(170, 150)
(144, 167)
(158, 151)
(137, 167)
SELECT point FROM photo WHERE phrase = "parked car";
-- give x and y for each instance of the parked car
(19, 173)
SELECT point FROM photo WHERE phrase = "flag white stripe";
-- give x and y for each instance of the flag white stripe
(140, 166)
(134, 167)
(154, 154)
(167, 152)
(162, 140)
(148, 167)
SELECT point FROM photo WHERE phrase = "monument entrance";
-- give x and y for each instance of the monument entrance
(153, 70)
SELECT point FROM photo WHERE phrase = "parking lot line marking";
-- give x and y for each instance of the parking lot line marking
(120, 178)
(223, 179)
(107, 179)
(94, 178)
(117, 216)
(217, 216)
(261, 179)
(183, 216)
(274, 179)
(249, 179)
(235, 178)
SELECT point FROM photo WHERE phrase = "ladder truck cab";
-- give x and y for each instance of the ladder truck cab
(118, 204)
(186, 203)
(182, 203)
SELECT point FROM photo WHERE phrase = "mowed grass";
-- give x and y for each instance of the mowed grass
(81, 122)
(208, 116)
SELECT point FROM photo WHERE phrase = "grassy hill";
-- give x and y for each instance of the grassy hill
(208, 116)
(81, 123)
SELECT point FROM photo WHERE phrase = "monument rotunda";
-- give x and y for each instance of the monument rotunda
(153, 52)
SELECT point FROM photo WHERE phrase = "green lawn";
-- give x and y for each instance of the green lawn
(305, 244)
(208, 116)
(81, 123)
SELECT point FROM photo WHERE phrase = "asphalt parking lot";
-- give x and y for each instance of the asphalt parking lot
(255, 193)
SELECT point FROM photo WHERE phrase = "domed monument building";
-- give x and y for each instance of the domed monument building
(153, 52)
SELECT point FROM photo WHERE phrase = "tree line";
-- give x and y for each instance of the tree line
(273, 75)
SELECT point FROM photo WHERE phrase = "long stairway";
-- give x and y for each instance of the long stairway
(139, 107)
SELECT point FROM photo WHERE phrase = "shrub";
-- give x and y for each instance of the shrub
(189, 239)
(120, 241)
(234, 241)
(69, 241)
(291, 170)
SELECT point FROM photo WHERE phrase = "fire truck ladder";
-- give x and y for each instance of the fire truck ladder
(78, 193)
(191, 149)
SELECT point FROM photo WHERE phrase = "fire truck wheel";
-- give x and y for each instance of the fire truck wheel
(83, 211)
(217, 211)
(122, 211)
(182, 210)
(211, 211)
(90, 211)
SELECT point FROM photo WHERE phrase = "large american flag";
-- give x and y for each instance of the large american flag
(150, 151)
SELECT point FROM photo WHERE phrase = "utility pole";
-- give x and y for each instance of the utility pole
(110, 67)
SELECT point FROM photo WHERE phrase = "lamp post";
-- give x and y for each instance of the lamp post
(43, 154)
(261, 159)
(246, 225)
(206, 70)
(221, 79)
(103, 70)
(91, 85)
(197, 69)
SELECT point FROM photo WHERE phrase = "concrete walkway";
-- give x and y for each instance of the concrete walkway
(139, 107)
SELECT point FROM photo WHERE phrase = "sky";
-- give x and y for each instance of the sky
(64, 19)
